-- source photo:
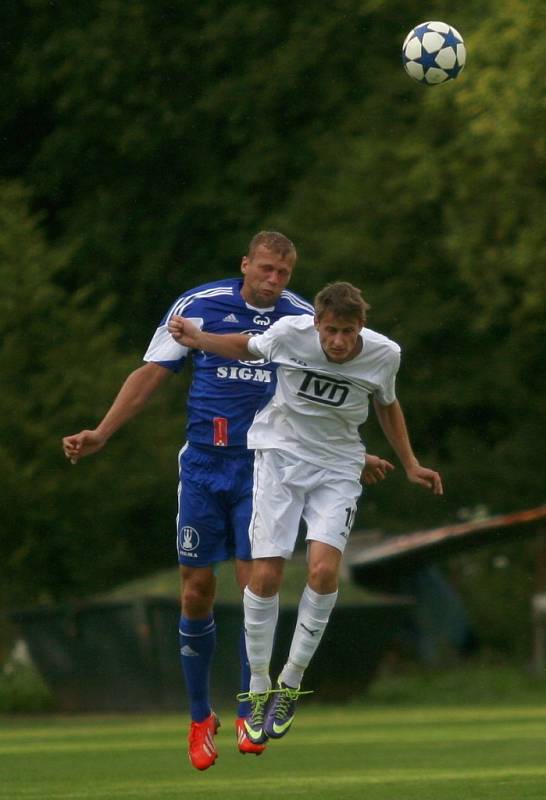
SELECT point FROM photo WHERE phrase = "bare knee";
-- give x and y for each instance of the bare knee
(266, 576)
(198, 588)
(324, 562)
(323, 577)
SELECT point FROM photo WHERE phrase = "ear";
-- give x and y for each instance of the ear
(244, 263)
(316, 323)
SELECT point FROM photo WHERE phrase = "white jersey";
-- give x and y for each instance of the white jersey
(318, 405)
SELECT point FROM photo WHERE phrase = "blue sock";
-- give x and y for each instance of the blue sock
(243, 709)
(197, 639)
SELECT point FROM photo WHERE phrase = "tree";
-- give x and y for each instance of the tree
(436, 210)
(170, 134)
(158, 138)
(67, 530)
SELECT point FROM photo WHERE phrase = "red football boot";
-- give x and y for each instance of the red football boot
(243, 742)
(201, 748)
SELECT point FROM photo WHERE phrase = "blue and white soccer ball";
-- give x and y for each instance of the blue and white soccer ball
(433, 52)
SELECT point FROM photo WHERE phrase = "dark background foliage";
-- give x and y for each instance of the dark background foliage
(144, 143)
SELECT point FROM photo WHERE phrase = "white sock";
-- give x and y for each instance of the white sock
(313, 615)
(261, 615)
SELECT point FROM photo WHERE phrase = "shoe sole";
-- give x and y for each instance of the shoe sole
(202, 769)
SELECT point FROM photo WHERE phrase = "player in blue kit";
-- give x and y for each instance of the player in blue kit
(215, 490)
(215, 467)
(308, 465)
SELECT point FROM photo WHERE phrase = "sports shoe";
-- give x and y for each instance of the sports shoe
(243, 742)
(281, 711)
(201, 748)
(255, 720)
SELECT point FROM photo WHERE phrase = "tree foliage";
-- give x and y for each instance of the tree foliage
(64, 530)
(156, 138)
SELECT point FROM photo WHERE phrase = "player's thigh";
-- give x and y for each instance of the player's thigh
(202, 523)
(277, 504)
(330, 509)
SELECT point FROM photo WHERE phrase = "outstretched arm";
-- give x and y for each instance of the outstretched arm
(228, 345)
(132, 397)
(391, 419)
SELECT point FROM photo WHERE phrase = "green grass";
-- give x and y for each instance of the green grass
(470, 683)
(349, 753)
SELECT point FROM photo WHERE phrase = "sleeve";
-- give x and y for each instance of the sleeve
(269, 343)
(386, 393)
(165, 350)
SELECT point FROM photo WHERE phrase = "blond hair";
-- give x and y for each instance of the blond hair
(274, 241)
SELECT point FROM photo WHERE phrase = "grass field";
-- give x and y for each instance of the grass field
(438, 753)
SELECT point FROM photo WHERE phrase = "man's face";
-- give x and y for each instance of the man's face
(339, 337)
(266, 274)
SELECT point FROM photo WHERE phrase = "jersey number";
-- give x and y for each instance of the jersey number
(349, 520)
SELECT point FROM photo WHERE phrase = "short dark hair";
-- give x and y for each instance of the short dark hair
(274, 241)
(343, 300)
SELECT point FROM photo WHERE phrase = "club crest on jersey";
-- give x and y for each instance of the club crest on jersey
(323, 389)
(249, 370)
(188, 541)
(261, 319)
(257, 362)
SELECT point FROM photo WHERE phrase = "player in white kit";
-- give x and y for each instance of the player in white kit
(308, 463)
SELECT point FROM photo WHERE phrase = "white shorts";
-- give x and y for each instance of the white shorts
(287, 489)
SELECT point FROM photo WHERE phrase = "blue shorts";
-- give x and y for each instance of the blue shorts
(214, 505)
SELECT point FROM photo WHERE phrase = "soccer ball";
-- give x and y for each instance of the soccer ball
(433, 52)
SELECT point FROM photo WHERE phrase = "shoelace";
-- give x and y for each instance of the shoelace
(258, 701)
(288, 696)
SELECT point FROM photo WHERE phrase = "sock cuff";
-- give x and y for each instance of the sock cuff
(260, 602)
(320, 600)
(196, 627)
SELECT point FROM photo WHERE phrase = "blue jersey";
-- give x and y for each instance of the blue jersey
(223, 390)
